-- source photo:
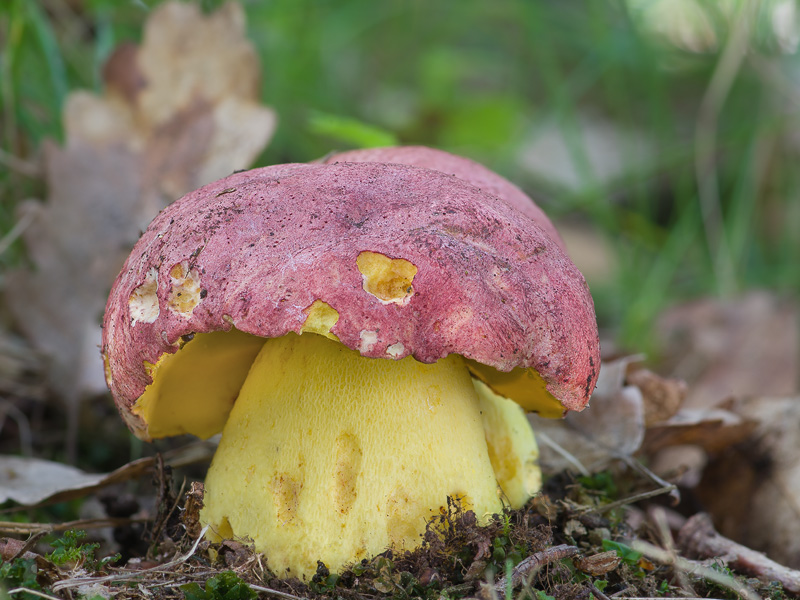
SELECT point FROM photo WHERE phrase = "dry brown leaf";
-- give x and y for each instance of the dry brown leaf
(612, 426)
(662, 397)
(178, 111)
(32, 481)
(712, 429)
(746, 347)
(753, 490)
(598, 564)
(77, 243)
(681, 447)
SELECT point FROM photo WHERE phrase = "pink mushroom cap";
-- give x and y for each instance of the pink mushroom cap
(260, 247)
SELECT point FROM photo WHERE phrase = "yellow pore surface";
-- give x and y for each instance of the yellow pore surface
(525, 386)
(194, 389)
(331, 456)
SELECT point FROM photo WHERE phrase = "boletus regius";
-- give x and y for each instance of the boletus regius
(367, 337)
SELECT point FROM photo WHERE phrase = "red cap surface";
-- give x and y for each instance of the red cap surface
(458, 166)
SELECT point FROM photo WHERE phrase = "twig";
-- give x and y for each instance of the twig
(276, 593)
(32, 592)
(535, 561)
(550, 443)
(674, 493)
(7, 408)
(164, 479)
(629, 500)
(130, 575)
(19, 165)
(693, 567)
(699, 538)
(659, 518)
(30, 543)
(12, 528)
(597, 593)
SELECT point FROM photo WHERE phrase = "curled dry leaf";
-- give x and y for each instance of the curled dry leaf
(190, 517)
(32, 481)
(598, 564)
(178, 111)
(29, 481)
(662, 397)
(712, 429)
(752, 489)
(611, 426)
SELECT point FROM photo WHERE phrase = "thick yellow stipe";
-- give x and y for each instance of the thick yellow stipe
(331, 456)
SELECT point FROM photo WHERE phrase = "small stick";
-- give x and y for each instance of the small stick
(690, 566)
(674, 494)
(130, 575)
(629, 500)
(533, 562)
(699, 538)
(551, 443)
(597, 593)
(32, 592)
(276, 593)
(13, 528)
(19, 165)
(659, 517)
(17, 230)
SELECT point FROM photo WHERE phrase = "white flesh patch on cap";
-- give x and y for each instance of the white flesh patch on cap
(395, 349)
(143, 303)
(368, 340)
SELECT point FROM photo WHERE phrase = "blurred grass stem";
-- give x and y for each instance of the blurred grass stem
(722, 80)
(19, 228)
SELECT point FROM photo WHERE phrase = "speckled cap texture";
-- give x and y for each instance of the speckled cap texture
(458, 166)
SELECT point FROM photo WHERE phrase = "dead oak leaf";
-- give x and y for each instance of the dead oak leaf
(753, 490)
(186, 100)
(662, 397)
(77, 243)
(711, 429)
(178, 111)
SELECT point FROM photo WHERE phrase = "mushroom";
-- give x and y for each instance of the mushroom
(364, 335)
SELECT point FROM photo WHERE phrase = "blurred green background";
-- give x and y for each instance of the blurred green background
(662, 135)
